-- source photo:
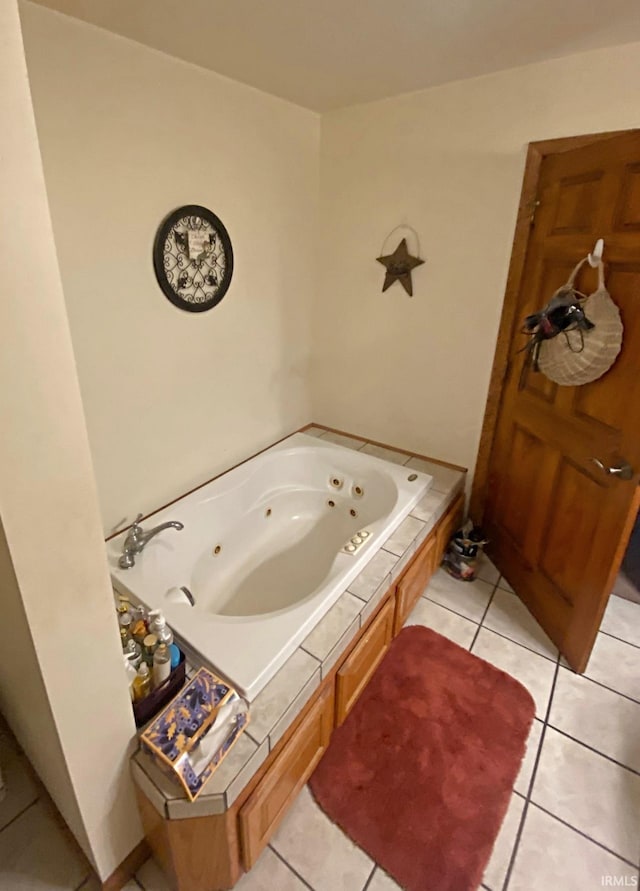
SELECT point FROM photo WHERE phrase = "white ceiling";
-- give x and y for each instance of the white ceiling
(324, 54)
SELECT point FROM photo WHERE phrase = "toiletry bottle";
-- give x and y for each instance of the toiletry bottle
(142, 683)
(133, 653)
(131, 674)
(158, 625)
(175, 655)
(149, 647)
(139, 630)
(123, 605)
(161, 665)
(124, 620)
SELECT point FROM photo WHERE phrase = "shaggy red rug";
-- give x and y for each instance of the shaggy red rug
(421, 772)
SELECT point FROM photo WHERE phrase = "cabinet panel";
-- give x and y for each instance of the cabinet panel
(451, 521)
(414, 580)
(355, 672)
(268, 803)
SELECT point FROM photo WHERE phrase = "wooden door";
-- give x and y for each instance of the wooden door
(558, 524)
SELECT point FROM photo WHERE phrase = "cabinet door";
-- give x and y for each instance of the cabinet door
(355, 672)
(414, 580)
(268, 803)
(451, 521)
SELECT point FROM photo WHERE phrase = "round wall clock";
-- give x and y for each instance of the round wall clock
(193, 258)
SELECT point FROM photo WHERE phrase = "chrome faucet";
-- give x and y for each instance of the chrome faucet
(137, 539)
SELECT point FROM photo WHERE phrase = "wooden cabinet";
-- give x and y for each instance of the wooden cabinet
(414, 580)
(208, 853)
(268, 803)
(355, 672)
(451, 521)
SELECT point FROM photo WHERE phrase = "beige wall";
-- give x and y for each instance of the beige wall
(128, 134)
(61, 654)
(449, 162)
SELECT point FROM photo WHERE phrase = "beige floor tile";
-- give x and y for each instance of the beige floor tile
(451, 625)
(496, 871)
(37, 855)
(318, 850)
(151, 877)
(270, 874)
(382, 882)
(615, 664)
(533, 671)
(622, 619)
(598, 717)
(529, 760)
(503, 583)
(467, 598)
(590, 793)
(21, 788)
(486, 570)
(551, 856)
(509, 616)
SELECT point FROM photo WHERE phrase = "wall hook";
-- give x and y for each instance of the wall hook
(595, 257)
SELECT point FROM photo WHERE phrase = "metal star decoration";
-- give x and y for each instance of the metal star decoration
(399, 265)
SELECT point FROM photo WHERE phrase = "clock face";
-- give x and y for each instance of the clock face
(193, 258)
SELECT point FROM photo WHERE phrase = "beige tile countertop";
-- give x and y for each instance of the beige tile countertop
(286, 694)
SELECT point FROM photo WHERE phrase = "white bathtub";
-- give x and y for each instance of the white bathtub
(262, 551)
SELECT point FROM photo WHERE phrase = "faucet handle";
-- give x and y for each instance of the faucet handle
(136, 522)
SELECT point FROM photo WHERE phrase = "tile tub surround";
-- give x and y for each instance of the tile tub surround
(447, 477)
(543, 844)
(275, 578)
(277, 706)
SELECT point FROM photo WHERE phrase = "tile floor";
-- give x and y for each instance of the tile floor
(574, 818)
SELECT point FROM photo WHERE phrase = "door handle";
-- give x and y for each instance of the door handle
(623, 470)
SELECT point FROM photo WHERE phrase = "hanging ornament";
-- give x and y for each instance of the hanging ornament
(400, 263)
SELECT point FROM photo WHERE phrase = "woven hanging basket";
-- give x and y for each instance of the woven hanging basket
(561, 361)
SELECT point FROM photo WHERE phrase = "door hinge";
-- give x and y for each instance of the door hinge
(533, 207)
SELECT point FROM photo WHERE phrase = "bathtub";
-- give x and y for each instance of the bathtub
(266, 550)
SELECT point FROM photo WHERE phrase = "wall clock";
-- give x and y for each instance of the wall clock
(193, 258)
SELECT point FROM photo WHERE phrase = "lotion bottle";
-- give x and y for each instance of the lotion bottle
(158, 626)
(142, 683)
(161, 665)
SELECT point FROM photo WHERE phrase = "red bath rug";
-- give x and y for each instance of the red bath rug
(421, 772)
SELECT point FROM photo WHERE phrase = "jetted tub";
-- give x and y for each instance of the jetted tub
(266, 550)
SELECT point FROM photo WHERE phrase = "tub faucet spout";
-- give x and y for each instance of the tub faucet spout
(137, 539)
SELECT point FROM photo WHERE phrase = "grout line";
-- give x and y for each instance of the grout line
(583, 834)
(527, 802)
(506, 590)
(553, 659)
(604, 686)
(288, 865)
(371, 875)
(20, 813)
(448, 608)
(620, 639)
(484, 616)
(594, 750)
